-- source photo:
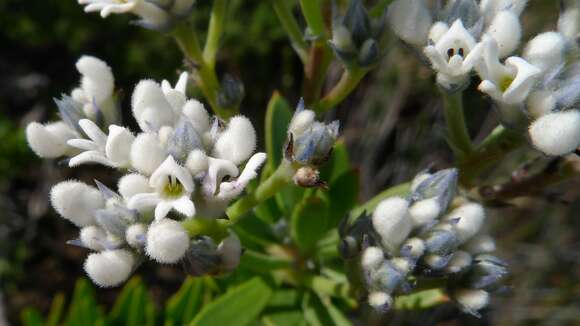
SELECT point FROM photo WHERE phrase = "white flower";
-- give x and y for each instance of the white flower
(167, 241)
(76, 202)
(132, 184)
(392, 222)
(471, 217)
(540, 103)
(410, 20)
(112, 150)
(173, 189)
(237, 142)
(508, 83)
(147, 153)
(490, 8)
(453, 55)
(110, 268)
(150, 14)
(424, 211)
(96, 90)
(506, 30)
(231, 189)
(546, 51)
(556, 133)
(151, 108)
(49, 141)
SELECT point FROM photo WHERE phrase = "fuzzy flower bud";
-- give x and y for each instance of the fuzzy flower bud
(471, 300)
(49, 141)
(556, 133)
(470, 218)
(92, 237)
(391, 221)
(167, 241)
(237, 142)
(230, 250)
(76, 202)
(109, 268)
(136, 235)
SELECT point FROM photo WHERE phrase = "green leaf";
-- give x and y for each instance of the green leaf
(338, 164)
(186, 303)
(343, 193)
(262, 263)
(134, 305)
(56, 310)
(314, 311)
(278, 116)
(31, 317)
(286, 298)
(284, 318)
(288, 198)
(83, 309)
(254, 231)
(309, 221)
(421, 300)
(312, 11)
(239, 306)
(338, 318)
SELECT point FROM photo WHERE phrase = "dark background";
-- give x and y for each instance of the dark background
(392, 124)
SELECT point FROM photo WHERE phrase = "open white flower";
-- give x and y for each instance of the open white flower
(112, 150)
(173, 186)
(508, 83)
(453, 55)
(149, 13)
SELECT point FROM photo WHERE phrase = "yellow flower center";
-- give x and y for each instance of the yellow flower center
(173, 188)
(506, 83)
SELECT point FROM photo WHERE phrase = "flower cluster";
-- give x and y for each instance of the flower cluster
(356, 37)
(309, 145)
(184, 164)
(430, 234)
(153, 14)
(540, 85)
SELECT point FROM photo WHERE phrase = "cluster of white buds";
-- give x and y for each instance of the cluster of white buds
(430, 234)
(153, 14)
(481, 38)
(94, 100)
(309, 145)
(184, 164)
(356, 37)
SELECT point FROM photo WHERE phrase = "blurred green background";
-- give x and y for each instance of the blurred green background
(392, 125)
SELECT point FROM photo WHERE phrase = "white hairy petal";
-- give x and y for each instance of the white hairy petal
(118, 147)
(507, 31)
(132, 184)
(92, 236)
(76, 202)
(146, 153)
(177, 100)
(471, 217)
(230, 250)
(162, 209)
(556, 133)
(170, 168)
(437, 31)
(49, 141)
(458, 262)
(196, 162)
(391, 221)
(540, 103)
(89, 157)
(144, 201)
(424, 211)
(97, 82)
(471, 299)
(410, 20)
(301, 122)
(197, 115)
(546, 51)
(110, 268)
(481, 244)
(372, 258)
(151, 14)
(524, 81)
(185, 206)
(237, 142)
(167, 241)
(93, 132)
(136, 234)
(217, 170)
(150, 106)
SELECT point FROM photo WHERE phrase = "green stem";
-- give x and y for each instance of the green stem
(348, 82)
(216, 229)
(188, 42)
(323, 285)
(492, 150)
(291, 27)
(314, 16)
(214, 34)
(276, 182)
(457, 133)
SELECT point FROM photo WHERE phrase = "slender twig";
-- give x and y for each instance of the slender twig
(348, 82)
(291, 27)
(214, 34)
(457, 133)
